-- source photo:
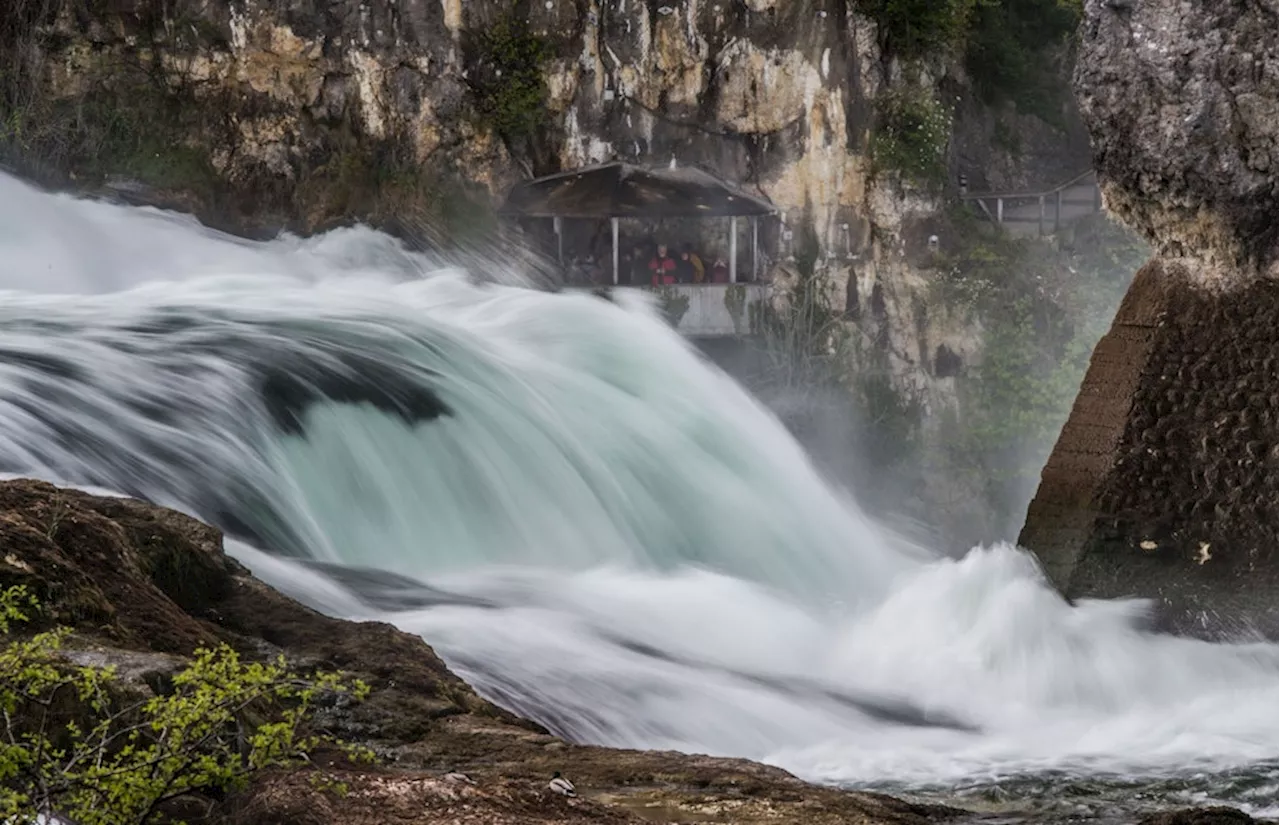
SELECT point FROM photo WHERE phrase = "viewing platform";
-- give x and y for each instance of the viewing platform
(709, 310)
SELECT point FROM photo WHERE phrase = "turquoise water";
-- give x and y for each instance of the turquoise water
(592, 524)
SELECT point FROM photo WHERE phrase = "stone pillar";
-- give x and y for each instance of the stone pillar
(1163, 482)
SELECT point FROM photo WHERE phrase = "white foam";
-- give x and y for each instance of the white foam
(661, 566)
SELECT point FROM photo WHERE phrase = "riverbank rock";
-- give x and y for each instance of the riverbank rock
(143, 586)
(1163, 482)
(1201, 816)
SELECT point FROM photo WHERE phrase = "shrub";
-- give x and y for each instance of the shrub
(910, 137)
(1042, 311)
(1015, 51)
(915, 28)
(674, 303)
(75, 743)
(510, 90)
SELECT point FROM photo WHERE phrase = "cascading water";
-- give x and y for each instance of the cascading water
(590, 523)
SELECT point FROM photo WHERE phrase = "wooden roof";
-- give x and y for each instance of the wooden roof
(622, 190)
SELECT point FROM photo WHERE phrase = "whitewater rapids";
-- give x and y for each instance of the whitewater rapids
(590, 523)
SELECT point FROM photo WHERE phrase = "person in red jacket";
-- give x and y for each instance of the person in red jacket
(662, 267)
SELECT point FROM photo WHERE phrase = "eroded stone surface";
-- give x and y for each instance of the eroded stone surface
(1181, 99)
(1163, 481)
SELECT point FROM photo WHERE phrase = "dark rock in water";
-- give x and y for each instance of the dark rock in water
(289, 390)
(144, 586)
(1200, 816)
(391, 591)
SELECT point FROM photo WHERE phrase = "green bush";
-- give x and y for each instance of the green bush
(674, 303)
(1015, 52)
(1042, 312)
(1012, 48)
(910, 137)
(510, 90)
(77, 742)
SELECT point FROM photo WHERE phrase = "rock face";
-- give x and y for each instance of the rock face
(1181, 101)
(1163, 482)
(300, 108)
(143, 586)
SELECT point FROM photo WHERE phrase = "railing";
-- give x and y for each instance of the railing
(1041, 212)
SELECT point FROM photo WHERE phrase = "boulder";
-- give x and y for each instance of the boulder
(1181, 102)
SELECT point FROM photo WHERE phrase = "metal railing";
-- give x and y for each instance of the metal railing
(1047, 211)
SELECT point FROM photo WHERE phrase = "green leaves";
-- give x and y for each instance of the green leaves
(1014, 52)
(77, 741)
(914, 28)
(509, 86)
(1042, 310)
(911, 135)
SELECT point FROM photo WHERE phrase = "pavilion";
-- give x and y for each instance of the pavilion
(620, 190)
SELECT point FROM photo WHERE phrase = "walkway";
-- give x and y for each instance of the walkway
(1041, 213)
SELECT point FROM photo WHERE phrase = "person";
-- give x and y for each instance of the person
(720, 272)
(690, 266)
(639, 266)
(662, 267)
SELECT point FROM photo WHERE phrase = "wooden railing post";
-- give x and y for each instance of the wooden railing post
(1057, 212)
(1041, 214)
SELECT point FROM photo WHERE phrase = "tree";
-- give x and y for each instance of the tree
(76, 741)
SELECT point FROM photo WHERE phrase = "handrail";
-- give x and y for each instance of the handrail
(1028, 195)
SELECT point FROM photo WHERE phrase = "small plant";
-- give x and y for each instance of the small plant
(74, 744)
(328, 783)
(58, 511)
(910, 137)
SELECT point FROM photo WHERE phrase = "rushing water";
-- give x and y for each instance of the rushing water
(590, 523)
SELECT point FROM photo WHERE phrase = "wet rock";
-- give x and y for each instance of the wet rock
(143, 586)
(1200, 816)
(1162, 481)
(1149, 497)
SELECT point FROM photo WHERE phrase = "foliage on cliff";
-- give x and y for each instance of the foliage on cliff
(510, 89)
(1014, 52)
(914, 28)
(78, 742)
(911, 136)
(1011, 48)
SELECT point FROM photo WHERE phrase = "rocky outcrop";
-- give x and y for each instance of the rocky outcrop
(1181, 101)
(259, 115)
(1163, 481)
(143, 586)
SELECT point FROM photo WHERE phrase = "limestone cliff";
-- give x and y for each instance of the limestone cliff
(1164, 480)
(311, 112)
